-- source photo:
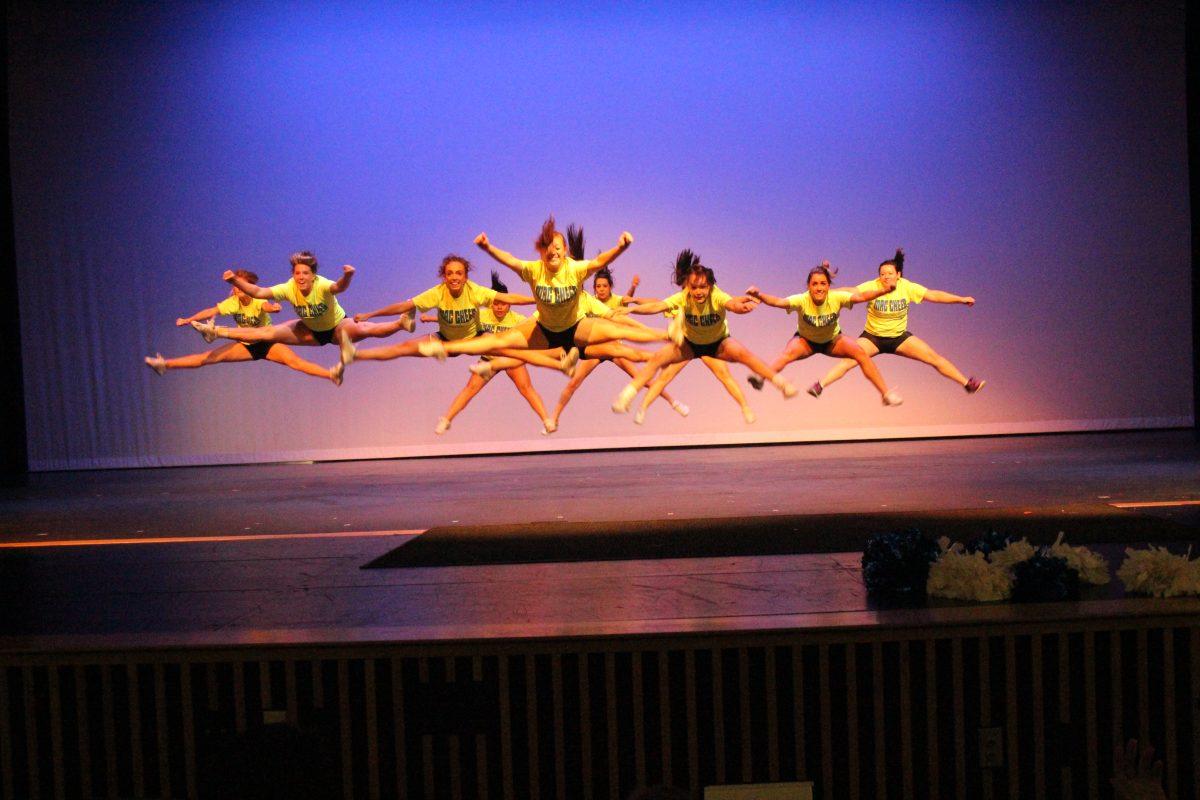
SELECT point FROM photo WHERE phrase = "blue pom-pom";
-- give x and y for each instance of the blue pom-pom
(989, 543)
(1044, 578)
(897, 564)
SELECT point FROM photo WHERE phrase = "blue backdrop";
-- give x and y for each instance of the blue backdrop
(1030, 155)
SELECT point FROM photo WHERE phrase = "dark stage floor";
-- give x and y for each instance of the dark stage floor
(274, 553)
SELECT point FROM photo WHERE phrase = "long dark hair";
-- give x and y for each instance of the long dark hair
(896, 261)
(688, 263)
(497, 284)
(574, 241)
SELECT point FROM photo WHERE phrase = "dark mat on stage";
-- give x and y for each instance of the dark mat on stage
(542, 542)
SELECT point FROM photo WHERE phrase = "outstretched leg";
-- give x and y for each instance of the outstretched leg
(519, 375)
(666, 355)
(228, 352)
(657, 387)
(918, 350)
(582, 370)
(717, 365)
(474, 385)
(845, 347)
(282, 354)
(846, 364)
(732, 350)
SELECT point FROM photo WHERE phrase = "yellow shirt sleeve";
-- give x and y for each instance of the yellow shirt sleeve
(914, 291)
(283, 291)
(228, 306)
(480, 295)
(429, 299)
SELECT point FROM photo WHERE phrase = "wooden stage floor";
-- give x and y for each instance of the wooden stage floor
(273, 554)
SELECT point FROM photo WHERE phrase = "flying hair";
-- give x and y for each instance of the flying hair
(546, 237)
(896, 261)
(497, 284)
(574, 241)
(688, 263)
(247, 275)
(306, 258)
(605, 273)
(450, 259)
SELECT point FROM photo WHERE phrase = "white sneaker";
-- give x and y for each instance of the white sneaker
(347, 350)
(680, 408)
(442, 426)
(432, 348)
(675, 330)
(639, 416)
(207, 329)
(483, 369)
(158, 363)
(749, 415)
(568, 361)
(789, 391)
(624, 399)
(407, 323)
(549, 426)
(892, 398)
(336, 373)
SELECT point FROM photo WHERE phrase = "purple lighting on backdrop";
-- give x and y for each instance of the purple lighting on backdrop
(1029, 156)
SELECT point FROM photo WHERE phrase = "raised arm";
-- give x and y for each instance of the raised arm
(886, 285)
(343, 283)
(252, 289)
(608, 256)
(647, 306)
(207, 313)
(935, 296)
(769, 299)
(628, 297)
(515, 299)
(402, 307)
(504, 257)
(742, 304)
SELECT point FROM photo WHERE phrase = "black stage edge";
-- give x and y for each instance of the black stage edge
(552, 542)
(14, 458)
(1192, 68)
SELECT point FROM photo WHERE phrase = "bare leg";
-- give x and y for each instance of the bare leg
(403, 349)
(582, 370)
(847, 364)
(734, 351)
(539, 358)
(526, 335)
(228, 352)
(666, 355)
(520, 378)
(722, 372)
(292, 332)
(282, 354)
(594, 330)
(845, 347)
(918, 350)
(656, 388)
(473, 387)
(631, 371)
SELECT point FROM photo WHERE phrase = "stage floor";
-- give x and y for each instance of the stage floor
(257, 554)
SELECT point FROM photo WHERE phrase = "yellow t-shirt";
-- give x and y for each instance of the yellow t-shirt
(458, 317)
(319, 311)
(489, 324)
(613, 301)
(251, 315)
(819, 323)
(558, 294)
(592, 307)
(705, 323)
(887, 315)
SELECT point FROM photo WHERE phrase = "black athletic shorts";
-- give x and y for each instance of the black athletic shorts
(323, 337)
(441, 336)
(564, 339)
(709, 350)
(824, 348)
(258, 350)
(886, 344)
